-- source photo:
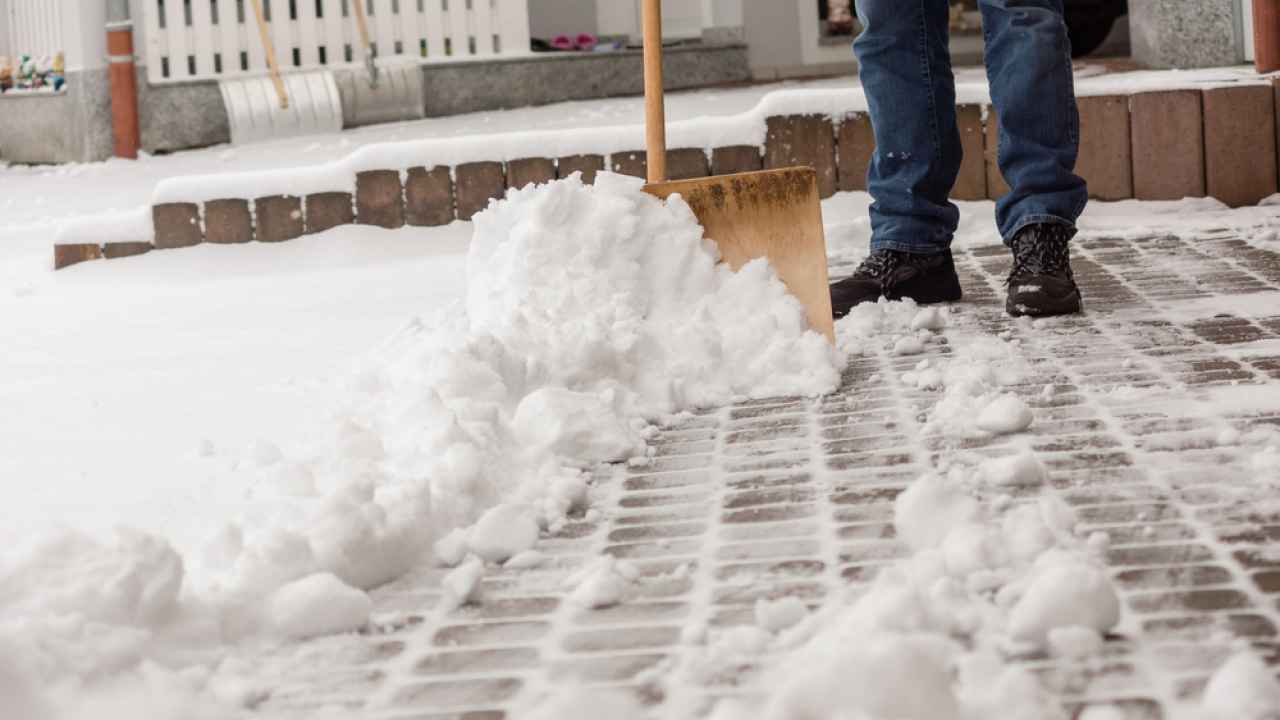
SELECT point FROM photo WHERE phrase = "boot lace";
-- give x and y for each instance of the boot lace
(1042, 250)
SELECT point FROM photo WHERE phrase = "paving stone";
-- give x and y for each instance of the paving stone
(1240, 144)
(855, 146)
(379, 199)
(1106, 151)
(68, 254)
(279, 218)
(428, 197)
(1167, 131)
(736, 159)
(177, 225)
(228, 221)
(687, 164)
(632, 162)
(527, 171)
(113, 250)
(803, 140)
(327, 210)
(588, 165)
(475, 185)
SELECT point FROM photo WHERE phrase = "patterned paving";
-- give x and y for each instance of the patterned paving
(794, 497)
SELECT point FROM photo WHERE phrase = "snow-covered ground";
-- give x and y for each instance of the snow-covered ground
(287, 427)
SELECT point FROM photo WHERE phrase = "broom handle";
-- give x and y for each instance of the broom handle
(271, 55)
(654, 107)
(362, 24)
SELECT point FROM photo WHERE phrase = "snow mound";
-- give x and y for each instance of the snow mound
(1242, 689)
(591, 313)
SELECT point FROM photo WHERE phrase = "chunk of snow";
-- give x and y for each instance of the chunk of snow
(525, 560)
(316, 605)
(1244, 688)
(503, 532)
(927, 511)
(452, 548)
(1075, 642)
(1004, 415)
(930, 318)
(573, 425)
(1065, 595)
(908, 346)
(778, 615)
(1023, 469)
(462, 584)
(604, 582)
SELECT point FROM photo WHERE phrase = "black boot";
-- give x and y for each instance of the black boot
(1041, 282)
(896, 275)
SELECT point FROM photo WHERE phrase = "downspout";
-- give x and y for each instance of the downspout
(124, 80)
(1266, 35)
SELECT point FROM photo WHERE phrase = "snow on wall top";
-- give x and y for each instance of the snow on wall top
(748, 128)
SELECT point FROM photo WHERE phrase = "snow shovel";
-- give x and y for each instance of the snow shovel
(775, 214)
(278, 106)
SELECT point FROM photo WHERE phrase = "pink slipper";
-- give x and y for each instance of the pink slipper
(562, 42)
(587, 41)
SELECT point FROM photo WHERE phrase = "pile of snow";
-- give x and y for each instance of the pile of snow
(592, 311)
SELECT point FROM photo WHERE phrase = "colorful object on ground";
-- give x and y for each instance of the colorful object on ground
(32, 74)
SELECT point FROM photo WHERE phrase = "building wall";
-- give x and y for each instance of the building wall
(549, 18)
(1186, 33)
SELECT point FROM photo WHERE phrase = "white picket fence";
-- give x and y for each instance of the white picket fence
(34, 26)
(202, 39)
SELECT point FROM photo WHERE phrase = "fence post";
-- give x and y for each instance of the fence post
(124, 80)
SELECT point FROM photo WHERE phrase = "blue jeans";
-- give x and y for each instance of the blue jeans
(906, 73)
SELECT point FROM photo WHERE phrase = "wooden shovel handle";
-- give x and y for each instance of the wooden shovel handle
(362, 24)
(270, 49)
(655, 116)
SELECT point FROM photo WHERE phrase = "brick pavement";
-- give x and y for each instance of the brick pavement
(794, 497)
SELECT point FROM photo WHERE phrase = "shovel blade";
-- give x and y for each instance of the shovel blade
(774, 214)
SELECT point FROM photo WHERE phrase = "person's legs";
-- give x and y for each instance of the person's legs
(1029, 70)
(905, 66)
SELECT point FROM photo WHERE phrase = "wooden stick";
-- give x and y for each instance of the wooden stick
(655, 116)
(362, 24)
(271, 55)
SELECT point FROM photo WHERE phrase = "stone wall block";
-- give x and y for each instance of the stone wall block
(588, 165)
(379, 199)
(428, 196)
(279, 218)
(66, 255)
(855, 144)
(477, 184)
(1240, 143)
(971, 183)
(1106, 147)
(114, 250)
(803, 140)
(736, 159)
(687, 164)
(632, 162)
(177, 225)
(524, 171)
(328, 210)
(996, 186)
(1167, 130)
(227, 221)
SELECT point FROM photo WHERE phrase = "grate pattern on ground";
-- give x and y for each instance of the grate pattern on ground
(795, 497)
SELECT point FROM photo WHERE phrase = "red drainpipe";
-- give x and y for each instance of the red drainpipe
(124, 82)
(1266, 35)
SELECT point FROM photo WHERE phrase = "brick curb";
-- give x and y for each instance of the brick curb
(1156, 145)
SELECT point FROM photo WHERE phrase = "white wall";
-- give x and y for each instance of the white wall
(1246, 14)
(549, 18)
(4, 28)
(74, 27)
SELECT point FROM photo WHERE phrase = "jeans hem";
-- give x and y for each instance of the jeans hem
(1040, 219)
(914, 248)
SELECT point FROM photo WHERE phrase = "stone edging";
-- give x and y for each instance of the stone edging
(1159, 145)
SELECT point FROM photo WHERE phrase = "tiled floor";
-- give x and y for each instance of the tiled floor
(794, 497)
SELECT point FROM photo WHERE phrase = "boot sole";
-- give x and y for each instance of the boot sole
(1044, 307)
